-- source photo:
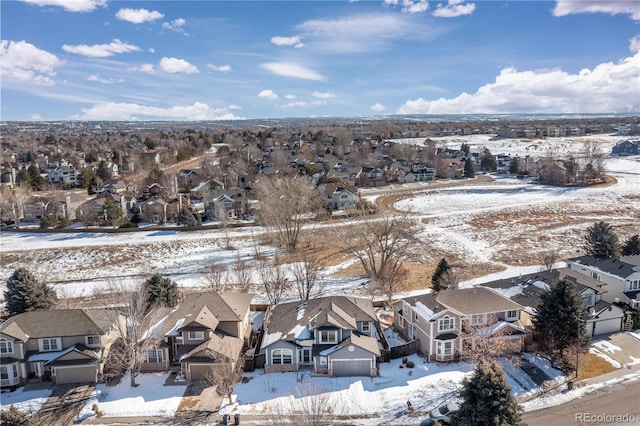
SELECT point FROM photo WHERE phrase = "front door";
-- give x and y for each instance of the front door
(306, 356)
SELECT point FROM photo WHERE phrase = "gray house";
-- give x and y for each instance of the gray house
(335, 335)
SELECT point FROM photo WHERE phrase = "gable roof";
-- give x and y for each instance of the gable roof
(212, 350)
(613, 266)
(57, 323)
(367, 343)
(288, 320)
(476, 300)
(207, 309)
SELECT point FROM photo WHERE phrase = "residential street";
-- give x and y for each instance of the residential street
(619, 399)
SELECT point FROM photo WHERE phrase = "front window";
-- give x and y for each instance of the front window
(4, 373)
(196, 335)
(323, 360)
(154, 355)
(281, 356)
(445, 349)
(328, 336)
(93, 341)
(587, 300)
(477, 319)
(366, 327)
(48, 345)
(446, 324)
(6, 347)
(512, 315)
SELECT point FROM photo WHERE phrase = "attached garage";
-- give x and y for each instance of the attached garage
(607, 326)
(74, 374)
(605, 319)
(351, 367)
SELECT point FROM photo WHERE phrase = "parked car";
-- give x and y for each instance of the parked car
(444, 412)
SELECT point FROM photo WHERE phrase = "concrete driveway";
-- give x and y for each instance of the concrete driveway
(622, 347)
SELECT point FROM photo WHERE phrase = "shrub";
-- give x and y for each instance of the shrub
(410, 364)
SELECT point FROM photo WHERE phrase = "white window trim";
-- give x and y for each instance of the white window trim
(413, 332)
(191, 335)
(159, 354)
(280, 352)
(478, 319)
(50, 339)
(92, 345)
(334, 340)
(511, 317)
(450, 320)
(323, 360)
(8, 344)
(366, 326)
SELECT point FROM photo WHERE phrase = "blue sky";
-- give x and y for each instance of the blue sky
(207, 60)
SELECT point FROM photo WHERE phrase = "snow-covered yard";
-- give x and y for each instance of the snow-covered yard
(149, 399)
(24, 401)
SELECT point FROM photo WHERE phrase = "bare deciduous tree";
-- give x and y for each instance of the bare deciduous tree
(310, 406)
(285, 204)
(13, 201)
(241, 273)
(224, 375)
(127, 308)
(486, 341)
(274, 279)
(382, 246)
(306, 276)
(214, 275)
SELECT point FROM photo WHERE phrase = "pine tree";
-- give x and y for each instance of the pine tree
(631, 246)
(162, 290)
(487, 399)
(514, 167)
(560, 321)
(601, 241)
(25, 293)
(186, 218)
(443, 278)
(469, 171)
(488, 161)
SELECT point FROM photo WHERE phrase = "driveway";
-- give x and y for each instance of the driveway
(64, 404)
(622, 347)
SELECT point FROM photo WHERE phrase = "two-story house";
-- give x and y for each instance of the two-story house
(618, 280)
(339, 196)
(334, 335)
(443, 321)
(61, 346)
(204, 329)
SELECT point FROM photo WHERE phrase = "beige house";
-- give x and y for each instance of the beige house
(204, 329)
(61, 346)
(443, 322)
(335, 335)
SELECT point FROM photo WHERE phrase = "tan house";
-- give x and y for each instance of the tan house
(335, 335)
(204, 329)
(61, 346)
(443, 322)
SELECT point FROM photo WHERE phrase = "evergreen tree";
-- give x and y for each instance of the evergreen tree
(14, 417)
(162, 290)
(186, 218)
(601, 241)
(631, 246)
(487, 399)
(469, 171)
(442, 278)
(25, 293)
(488, 161)
(466, 149)
(103, 171)
(514, 167)
(560, 321)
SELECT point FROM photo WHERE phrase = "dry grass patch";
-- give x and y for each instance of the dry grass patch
(591, 365)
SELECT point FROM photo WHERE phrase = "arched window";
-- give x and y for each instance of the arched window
(282, 356)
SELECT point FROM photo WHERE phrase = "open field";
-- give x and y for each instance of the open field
(496, 224)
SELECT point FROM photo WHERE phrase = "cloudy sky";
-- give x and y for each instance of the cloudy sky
(205, 60)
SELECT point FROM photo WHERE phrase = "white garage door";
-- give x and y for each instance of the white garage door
(607, 326)
(348, 367)
(83, 374)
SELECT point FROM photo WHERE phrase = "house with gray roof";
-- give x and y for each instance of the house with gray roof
(204, 329)
(602, 317)
(443, 322)
(60, 346)
(335, 335)
(617, 279)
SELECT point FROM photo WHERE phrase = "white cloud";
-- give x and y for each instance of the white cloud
(454, 9)
(125, 111)
(290, 96)
(152, 50)
(96, 77)
(364, 32)
(609, 87)
(22, 62)
(138, 16)
(175, 65)
(233, 106)
(634, 44)
(268, 94)
(611, 7)
(70, 5)
(302, 104)
(101, 50)
(321, 95)
(288, 69)
(287, 41)
(175, 25)
(147, 68)
(35, 116)
(417, 6)
(220, 68)
(377, 107)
